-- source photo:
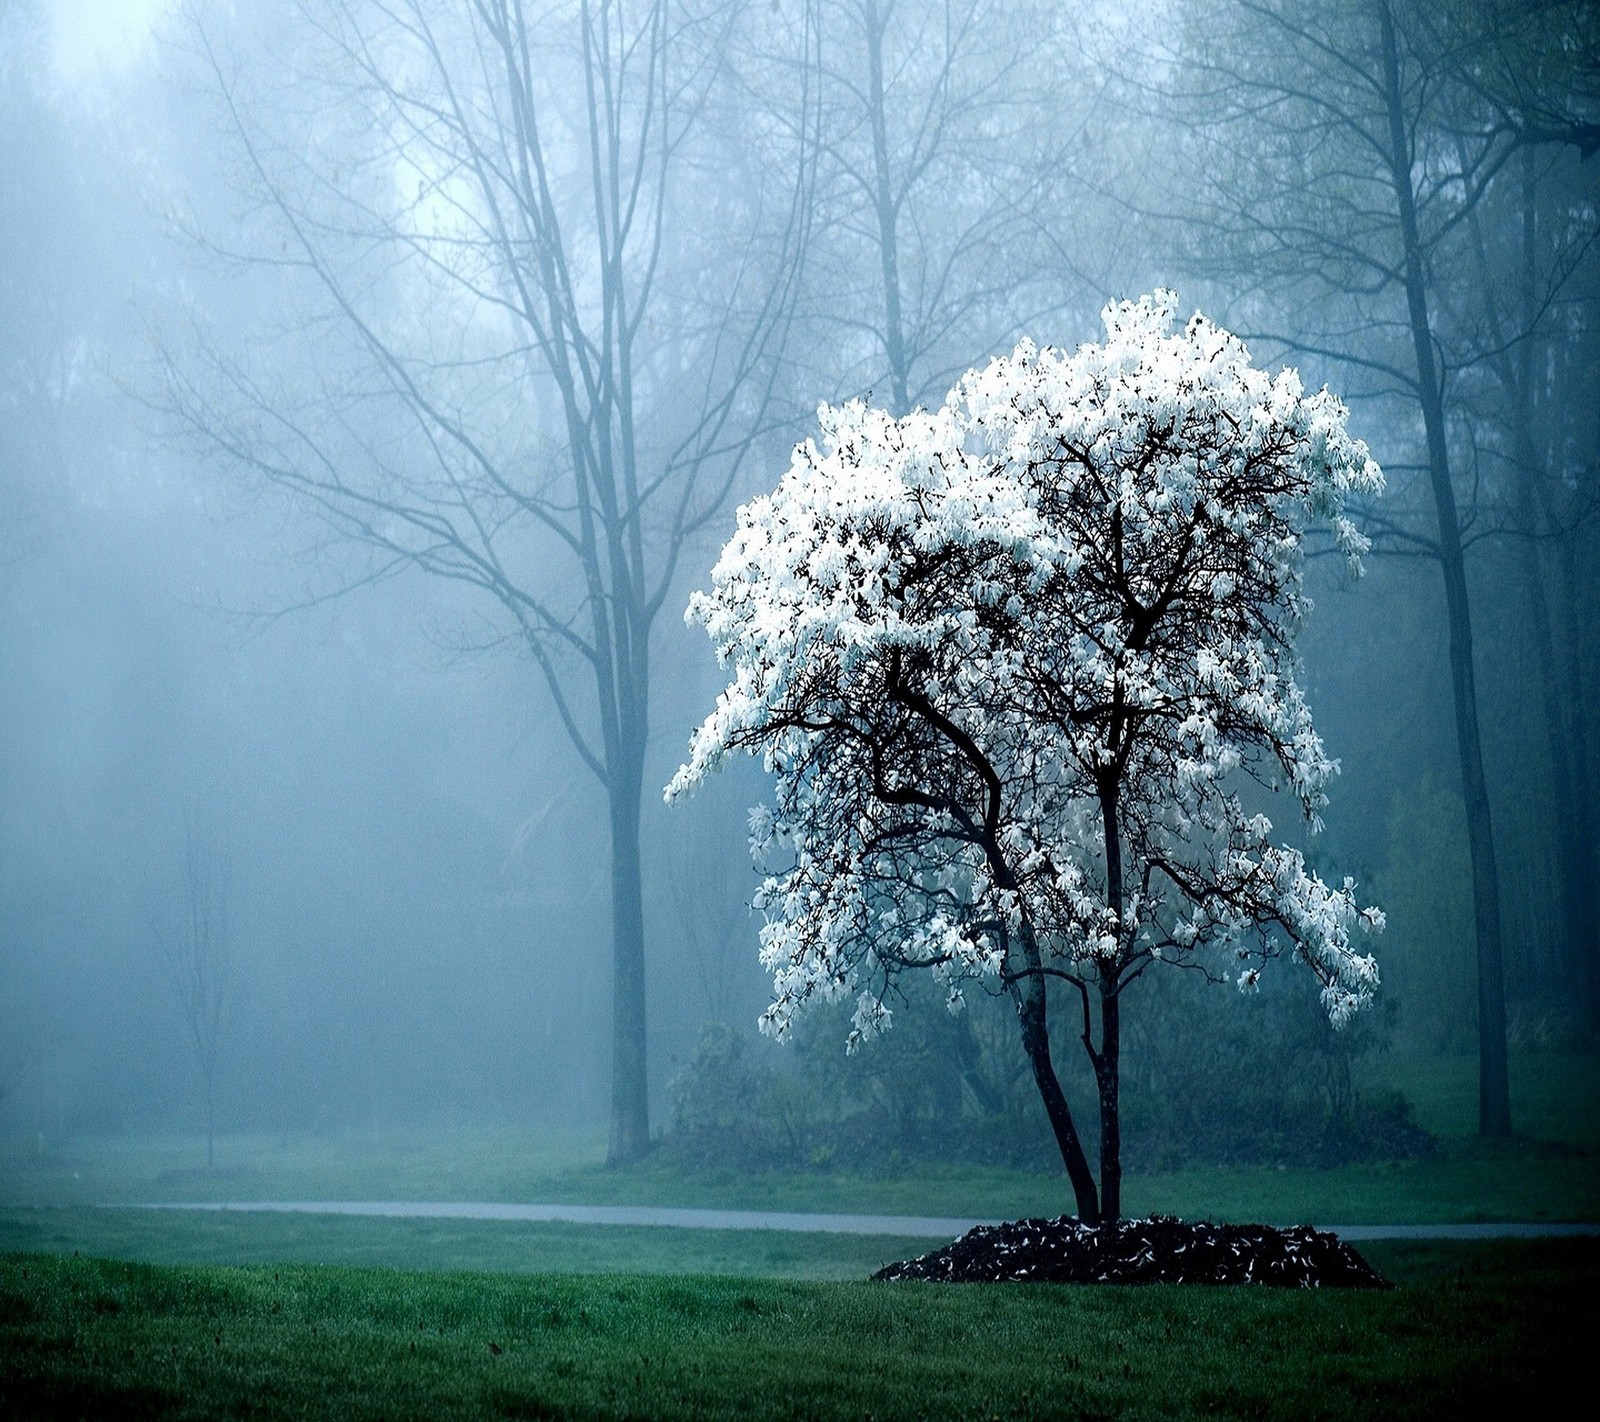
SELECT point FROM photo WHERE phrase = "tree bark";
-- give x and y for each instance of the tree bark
(1107, 1061)
(1574, 827)
(1494, 1107)
(630, 1103)
(625, 713)
(1108, 1076)
(1580, 851)
(1564, 717)
(1028, 991)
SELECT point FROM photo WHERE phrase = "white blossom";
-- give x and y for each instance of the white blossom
(962, 638)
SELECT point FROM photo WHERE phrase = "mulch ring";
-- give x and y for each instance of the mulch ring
(1159, 1250)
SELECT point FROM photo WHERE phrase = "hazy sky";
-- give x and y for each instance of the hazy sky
(94, 35)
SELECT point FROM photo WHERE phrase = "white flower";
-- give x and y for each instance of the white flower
(944, 632)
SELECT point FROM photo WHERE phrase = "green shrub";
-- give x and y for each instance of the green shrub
(1211, 1077)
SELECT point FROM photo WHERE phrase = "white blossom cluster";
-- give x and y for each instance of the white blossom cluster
(975, 644)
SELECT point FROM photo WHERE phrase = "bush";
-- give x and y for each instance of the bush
(1221, 1079)
(1245, 1079)
(728, 1109)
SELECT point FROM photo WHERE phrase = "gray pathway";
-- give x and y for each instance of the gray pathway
(905, 1226)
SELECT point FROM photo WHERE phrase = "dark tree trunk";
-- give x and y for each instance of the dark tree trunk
(1574, 828)
(1494, 1106)
(1577, 917)
(1564, 717)
(1027, 983)
(1107, 1061)
(1028, 991)
(1580, 852)
(630, 1097)
(1108, 1076)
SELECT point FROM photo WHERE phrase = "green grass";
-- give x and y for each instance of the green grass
(1547, 1171)
(348, 1317)
(458, 1164)
(189, 1237)
(1555, 1096)
(50, 1195)
(1471, 1328)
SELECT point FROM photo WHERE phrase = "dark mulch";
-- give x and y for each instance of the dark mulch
(1159, 1250)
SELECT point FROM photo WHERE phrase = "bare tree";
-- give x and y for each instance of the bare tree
(198, 951)
(947, 139)
(1530, 251)
(557, 337)
(1334, 157)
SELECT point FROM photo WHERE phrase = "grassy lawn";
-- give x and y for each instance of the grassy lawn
(1475, 1327)
(1467, 1180)
(1548, 1172)
(185, 1237)
(260, 1315)
(1555, 1096)
(1483, 1185)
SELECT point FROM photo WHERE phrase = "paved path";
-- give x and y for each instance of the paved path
(905, 1226)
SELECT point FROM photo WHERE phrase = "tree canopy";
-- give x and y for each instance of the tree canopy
(1016, 665)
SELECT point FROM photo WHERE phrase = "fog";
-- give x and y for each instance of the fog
(288, 588)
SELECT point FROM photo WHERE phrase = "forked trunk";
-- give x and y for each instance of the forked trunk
(1028, 992)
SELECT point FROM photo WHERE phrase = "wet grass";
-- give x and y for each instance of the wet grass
(1469, 1329)
(1555, 1096)
(187, 1237)
(1548, 1172)
(350, 1317)
(1489, 1184)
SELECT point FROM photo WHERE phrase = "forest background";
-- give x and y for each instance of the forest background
(246, 726)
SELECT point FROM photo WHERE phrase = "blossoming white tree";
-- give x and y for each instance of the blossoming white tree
(1023, 667)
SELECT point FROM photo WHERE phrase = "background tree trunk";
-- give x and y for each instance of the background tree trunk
(630, 1100)
(1494, 1103)
(886, 211)
(1563, 730)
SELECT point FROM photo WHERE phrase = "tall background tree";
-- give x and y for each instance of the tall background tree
(196, 939)
(1526, 377)
(949, 181)
(1336, 163)
(550, 346)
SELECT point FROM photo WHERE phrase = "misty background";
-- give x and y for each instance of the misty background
(215, 699)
